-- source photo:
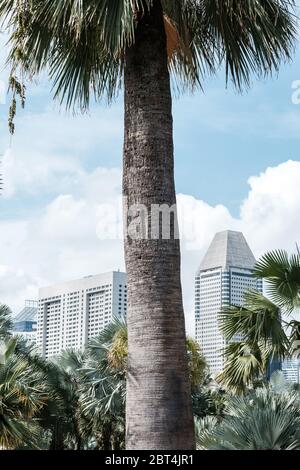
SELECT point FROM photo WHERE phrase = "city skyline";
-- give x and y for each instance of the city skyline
(189, 313)
(224, 274)
(229, 174)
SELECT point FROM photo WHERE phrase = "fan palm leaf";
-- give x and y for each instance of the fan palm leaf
(243, 365)
(22, 395)
(282, 275)
(258, 321)
(82, 44)
(264, 420)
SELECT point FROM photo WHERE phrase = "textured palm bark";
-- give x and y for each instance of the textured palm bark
(158, 405)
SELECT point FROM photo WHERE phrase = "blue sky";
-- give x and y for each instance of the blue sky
(59, 169)
(223, 137)
(220, 136)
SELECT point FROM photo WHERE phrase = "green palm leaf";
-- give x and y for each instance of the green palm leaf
(22, 396)
(244, 363)
(257, 322)
(282, 273)
(82, 44)
(263, 420)
(6, 324)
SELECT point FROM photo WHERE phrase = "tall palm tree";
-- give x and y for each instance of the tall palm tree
(93, 47)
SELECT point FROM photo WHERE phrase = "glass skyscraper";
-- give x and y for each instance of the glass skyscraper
(26, 321)
(225, 273)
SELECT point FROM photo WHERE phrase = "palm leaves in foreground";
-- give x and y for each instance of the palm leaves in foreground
(256, 333)
(78, 399)
(264, 420)
(6, 324)
(282, 275)
(104, 372)
(82, 44)
(103, 397)
(262, 339)
(22, 395)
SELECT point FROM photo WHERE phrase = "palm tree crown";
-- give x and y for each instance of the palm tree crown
(82, 44)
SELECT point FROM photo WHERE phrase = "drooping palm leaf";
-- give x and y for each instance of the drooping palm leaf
(254, 36)
(243, 365)
(82, 44)
(282, 274)
(257, 322)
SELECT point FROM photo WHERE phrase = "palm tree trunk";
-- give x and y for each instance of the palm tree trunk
(158, 405)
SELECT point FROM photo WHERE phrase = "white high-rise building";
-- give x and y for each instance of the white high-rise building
(71, 313)
(291, 370)
(225, 273)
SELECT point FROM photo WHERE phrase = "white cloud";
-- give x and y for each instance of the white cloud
(199, 221)
(270, 214)
(59, 242)
(48, 153)
(269, 218)
(64, 239)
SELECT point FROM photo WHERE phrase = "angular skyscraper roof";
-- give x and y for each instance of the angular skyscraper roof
(228, 249)
(28, 313)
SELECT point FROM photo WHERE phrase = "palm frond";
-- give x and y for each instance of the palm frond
(243, 365)
(282, 274)
(6, 323)
(254, 36)
(82, 44)
(204, 431)
(264, 420)
(22, 396)
(258, 321)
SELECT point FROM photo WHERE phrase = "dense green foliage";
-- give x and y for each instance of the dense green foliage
(262, 324)
(77, 400)
(265, 419)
